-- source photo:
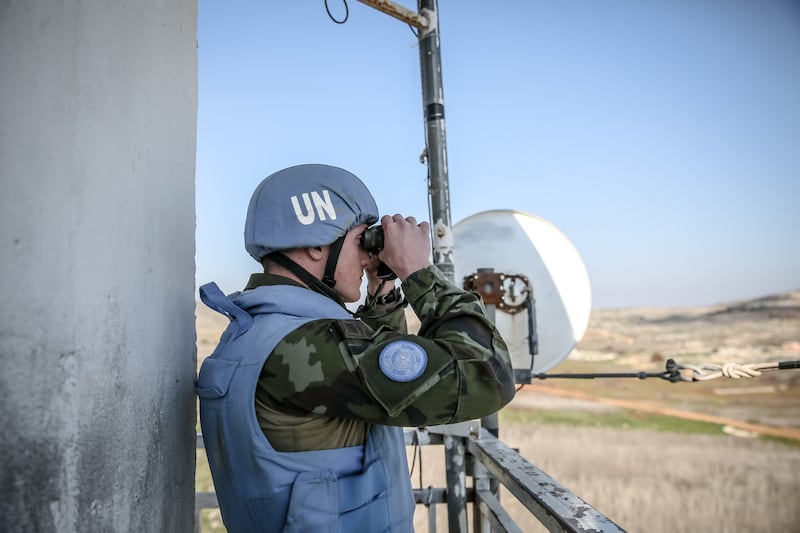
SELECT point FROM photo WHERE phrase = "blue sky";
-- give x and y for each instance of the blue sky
(661, 137)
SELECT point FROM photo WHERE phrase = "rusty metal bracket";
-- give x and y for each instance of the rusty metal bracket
(500, 289)
(418, 20)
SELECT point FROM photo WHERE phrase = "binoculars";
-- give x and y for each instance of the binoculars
(372, 239)
(372, 242)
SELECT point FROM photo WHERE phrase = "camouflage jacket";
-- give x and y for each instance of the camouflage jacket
(323, 385)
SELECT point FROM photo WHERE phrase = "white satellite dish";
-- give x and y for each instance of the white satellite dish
(513, 243)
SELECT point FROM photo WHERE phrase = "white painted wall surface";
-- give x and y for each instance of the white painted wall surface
(98, 106)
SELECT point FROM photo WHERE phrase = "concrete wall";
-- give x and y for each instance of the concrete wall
(98, 106)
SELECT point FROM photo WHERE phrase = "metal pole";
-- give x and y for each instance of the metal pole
(483, 480)
(435, 143)
(439, 193)
(427, 21)
(492, 424)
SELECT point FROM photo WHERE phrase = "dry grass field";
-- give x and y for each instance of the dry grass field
(671, 478)
(647, 471)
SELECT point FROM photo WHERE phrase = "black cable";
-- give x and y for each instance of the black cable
(417, 450)
(672, 374)
(639, 375)
(414, 459)
(346, 12)
(420, 464)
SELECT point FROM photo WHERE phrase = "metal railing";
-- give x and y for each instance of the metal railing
(491, 463)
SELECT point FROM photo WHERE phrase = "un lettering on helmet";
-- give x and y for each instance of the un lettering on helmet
(322, 204)
(305, 206)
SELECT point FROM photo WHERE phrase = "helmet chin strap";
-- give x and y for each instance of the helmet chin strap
(333, 259)
(306, 277)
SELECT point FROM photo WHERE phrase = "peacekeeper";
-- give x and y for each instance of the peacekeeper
(302, 403)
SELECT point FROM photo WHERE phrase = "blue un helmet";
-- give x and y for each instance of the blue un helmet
(305, 206)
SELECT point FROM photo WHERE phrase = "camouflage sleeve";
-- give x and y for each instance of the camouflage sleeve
(457, 368)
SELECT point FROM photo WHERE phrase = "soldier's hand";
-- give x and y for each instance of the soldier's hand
(407, 245)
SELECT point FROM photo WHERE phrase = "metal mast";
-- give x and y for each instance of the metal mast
(435, 154)
(430, 60)
(426, 20)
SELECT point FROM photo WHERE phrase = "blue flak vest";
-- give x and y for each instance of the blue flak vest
(357, 489)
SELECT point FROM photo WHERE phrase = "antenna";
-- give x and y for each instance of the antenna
(534, 262)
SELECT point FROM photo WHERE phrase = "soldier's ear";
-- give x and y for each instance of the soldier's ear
(317, 253)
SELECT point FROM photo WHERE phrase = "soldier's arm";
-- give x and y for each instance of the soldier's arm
(334, 368)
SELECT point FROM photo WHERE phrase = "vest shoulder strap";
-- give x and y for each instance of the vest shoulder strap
(213, 297)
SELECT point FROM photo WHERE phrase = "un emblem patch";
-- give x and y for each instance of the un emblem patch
(403, 361)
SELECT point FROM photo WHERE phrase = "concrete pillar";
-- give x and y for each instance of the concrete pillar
(98, 103)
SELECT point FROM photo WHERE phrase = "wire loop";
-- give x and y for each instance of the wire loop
(346, 13)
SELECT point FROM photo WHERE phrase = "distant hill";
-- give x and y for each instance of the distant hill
(752, 330)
